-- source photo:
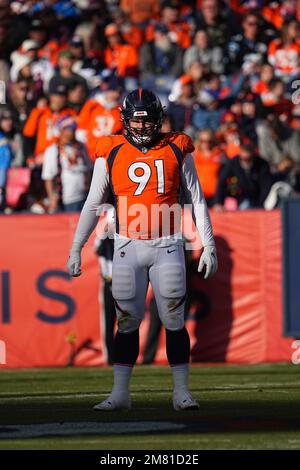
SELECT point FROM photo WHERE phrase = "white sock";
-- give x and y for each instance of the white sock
(180, 377)
(122, 375)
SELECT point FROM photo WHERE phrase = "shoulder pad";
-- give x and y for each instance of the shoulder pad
(106, 143)
(183, 141)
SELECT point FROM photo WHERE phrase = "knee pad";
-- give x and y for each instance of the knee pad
(172, 288)
(123, 282)
(124, 292)
(172, 282)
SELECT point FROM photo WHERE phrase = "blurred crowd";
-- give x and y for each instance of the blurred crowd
(226, 71)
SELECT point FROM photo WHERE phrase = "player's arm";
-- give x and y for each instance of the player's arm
(194, 196)
(89, 215)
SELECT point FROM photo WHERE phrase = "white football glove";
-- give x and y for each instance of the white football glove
(209, 260)
(74, 262)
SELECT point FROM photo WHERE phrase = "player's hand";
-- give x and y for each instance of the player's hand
(74, 263)
(208, 260)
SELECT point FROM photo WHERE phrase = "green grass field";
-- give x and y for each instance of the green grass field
(242, 407)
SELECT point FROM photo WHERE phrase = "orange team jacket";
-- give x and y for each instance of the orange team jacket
(97, 121)
(132, 35)
(141, 10)
(50, 51)
(284, 57)
(261, 88)
(140, 180)
(122, 57)
(180, 30)
(41, 124)
(208, 170)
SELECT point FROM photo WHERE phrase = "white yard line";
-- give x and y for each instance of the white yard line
(280, 388)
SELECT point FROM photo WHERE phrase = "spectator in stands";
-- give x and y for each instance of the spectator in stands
(276, 12)
(6, 157)
(120, 56)
(181, 107)
(65, 169)
(85, 63)
(40, 130)
(249, 46)
(95, 16)
(41, 68)
(141, 12)
(289, 172)
(220, 24)
(261, 85)
(4, 54)
(63, 9)
(100, 115)
(197, 72)
(12, 136)
(245, 6)
(147, 43)
(76, 96)
(21, 66)
(207, 54)
(245, 178)
(19, 104)
(14, 28)
(130, 32)
(278, 103)
(160, 56)
(208, 158)
(213, 100)
(286, 183)
(283, 53)
(179, 31)
(48, 48)
(65, 75)
(248, 111)
(276, 140)
(231, 143)
(229, 134)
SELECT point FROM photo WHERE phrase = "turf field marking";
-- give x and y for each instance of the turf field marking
(278, 388)
(85, 428)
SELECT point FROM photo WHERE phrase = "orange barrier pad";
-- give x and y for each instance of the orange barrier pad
(49, 319)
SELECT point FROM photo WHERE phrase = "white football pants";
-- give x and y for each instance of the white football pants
(135, 263)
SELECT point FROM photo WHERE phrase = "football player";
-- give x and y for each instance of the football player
(144, 168)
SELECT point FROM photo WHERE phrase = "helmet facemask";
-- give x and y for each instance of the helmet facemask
(142, 115)
(144, 132)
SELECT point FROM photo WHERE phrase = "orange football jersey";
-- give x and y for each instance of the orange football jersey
(284, 58)
(141, 182)
(42, 124)
(98, 121)
(208, 170)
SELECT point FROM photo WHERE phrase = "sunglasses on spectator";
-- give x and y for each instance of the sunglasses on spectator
(251, 23)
